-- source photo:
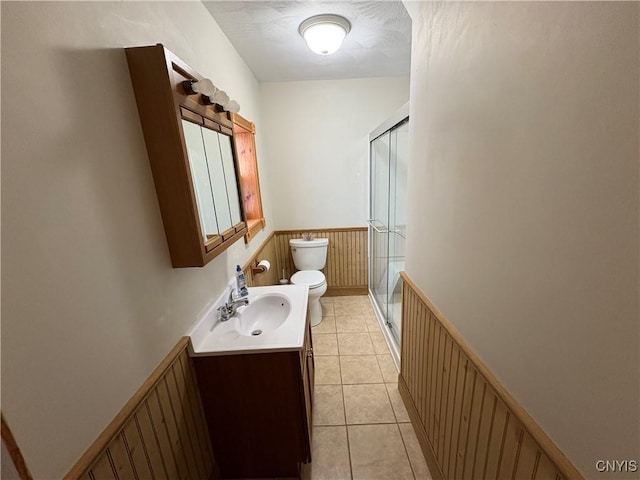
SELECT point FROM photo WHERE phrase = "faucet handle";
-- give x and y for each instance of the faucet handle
(224, 310)
(242, 295)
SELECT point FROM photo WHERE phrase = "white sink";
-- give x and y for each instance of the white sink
(275, 319)
(265, 314)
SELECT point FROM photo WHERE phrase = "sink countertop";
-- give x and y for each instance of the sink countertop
(210, 336)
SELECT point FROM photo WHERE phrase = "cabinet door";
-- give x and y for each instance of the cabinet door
(308, 380)
(311, 364)
(201, 180)
(230, 178)
(247, 168)
(217, 178)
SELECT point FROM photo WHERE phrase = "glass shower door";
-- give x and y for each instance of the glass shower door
(387, 222)
(379, 220)
(398, 160)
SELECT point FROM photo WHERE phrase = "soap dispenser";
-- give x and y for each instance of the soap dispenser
(241, 283)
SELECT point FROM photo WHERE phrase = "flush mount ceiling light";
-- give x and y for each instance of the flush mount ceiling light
(324, 33)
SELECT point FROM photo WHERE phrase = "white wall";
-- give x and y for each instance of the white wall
(317, 136)
(523, 192)
(90, 302)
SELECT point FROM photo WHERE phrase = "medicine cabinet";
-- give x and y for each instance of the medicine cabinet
(191, 152)
(214, 180)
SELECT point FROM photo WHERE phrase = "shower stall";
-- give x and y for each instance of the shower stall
(388, 159)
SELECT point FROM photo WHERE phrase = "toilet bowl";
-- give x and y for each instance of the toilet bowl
(309, 257)
(317, 287)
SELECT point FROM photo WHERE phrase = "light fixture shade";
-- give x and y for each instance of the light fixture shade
(233, 106)
(204, 86)
(324, 34)
(221, 98)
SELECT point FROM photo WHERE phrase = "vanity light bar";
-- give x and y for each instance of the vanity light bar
(211, 95)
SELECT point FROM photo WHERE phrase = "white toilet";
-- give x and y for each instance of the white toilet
(310, 256)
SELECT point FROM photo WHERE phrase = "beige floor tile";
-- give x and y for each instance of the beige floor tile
(379, 343)
(343, 299)
(327, 325)
(330, 454)
(416, 457)
(397, 403)
(348, 309)
(388, 368)
(351, 299)
(325, 344)
(377, 453)
(355, 344)
(327, 306)
(351, 324)
(360, 369)
(367, 404)
(353, 306)
(372, 323)
(328, 405)
(368, 309)
(327, 370)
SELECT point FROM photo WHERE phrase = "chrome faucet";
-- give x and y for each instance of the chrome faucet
(230, 308)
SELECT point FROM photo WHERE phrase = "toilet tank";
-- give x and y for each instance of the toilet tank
(309, 254)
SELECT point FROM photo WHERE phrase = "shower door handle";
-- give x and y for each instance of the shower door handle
(370, 222)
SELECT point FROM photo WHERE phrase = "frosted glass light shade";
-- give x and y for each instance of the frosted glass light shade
(233, 106)
(221, 98)
(324, 34)
(204, 86)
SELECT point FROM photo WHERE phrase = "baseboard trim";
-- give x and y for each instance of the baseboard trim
(342, 291)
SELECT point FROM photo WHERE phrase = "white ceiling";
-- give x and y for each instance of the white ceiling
(265, 34)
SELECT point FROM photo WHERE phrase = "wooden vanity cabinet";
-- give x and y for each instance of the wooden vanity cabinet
(259, 410)
(164, 105)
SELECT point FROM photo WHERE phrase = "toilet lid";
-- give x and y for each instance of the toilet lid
(313, 278)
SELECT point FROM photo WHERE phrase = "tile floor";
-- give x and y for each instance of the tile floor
(361, 428)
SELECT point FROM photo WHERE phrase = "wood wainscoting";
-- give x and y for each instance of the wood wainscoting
(266, 251)
(160, 433)
(468, 425)
(346, 269)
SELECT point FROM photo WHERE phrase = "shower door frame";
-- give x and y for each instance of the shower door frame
(398, 117)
